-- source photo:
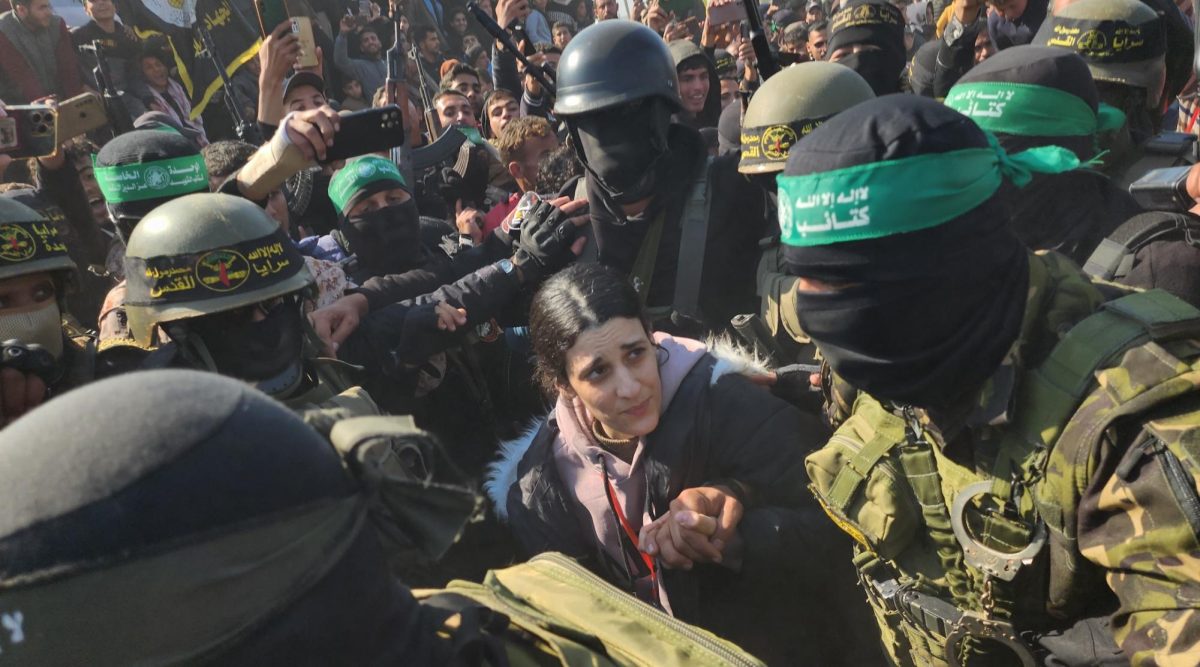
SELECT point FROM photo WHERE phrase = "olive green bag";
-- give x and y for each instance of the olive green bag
(553, 611)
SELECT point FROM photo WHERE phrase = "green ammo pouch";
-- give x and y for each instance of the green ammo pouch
(861, 485)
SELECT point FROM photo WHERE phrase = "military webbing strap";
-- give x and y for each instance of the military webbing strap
(643, 265)
(889, 432)
(692, 240)
(1055, 388)
(1113, 258)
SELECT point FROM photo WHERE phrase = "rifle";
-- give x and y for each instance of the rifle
(489, 24)
(394, 89)
(767, 66)
(233, 102)
(431, 118)
(118, 115)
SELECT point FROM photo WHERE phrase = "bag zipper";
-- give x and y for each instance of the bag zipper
(1182, 484)
(568, 571)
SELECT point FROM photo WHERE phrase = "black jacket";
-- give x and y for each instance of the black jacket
(737, 220)
(793, 600)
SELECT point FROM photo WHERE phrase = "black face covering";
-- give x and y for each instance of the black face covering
(254, 351)
(387, 240)
(624, 147)
(880, 68)
(921, 318)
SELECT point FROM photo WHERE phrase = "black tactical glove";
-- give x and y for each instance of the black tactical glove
(544, 245)
(31, 359)
(793, 384)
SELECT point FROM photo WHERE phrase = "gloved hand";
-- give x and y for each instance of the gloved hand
(793, 383)
(547, 240)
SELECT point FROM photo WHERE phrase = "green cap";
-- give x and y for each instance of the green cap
(363, 176)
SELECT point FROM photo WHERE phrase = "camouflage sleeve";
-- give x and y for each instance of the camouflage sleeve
(1139, 520)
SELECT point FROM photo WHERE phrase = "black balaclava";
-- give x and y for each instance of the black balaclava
(1042, 217)
(387, 240)
(266, 352)
(875, 23)
(384, 241)
(924, 317)
(623, 147)
(142, 147)
(169, 462)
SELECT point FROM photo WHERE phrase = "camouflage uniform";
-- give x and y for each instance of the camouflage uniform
(1107, 506)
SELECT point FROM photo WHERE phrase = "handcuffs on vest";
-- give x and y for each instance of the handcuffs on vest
(945, 619)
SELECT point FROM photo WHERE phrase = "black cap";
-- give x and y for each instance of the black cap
(303, 79)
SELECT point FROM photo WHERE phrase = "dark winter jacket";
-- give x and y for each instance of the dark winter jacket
(718, 428)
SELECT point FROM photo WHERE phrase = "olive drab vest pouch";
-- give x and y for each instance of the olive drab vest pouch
(953, 558)
(553, 611)
(417, 511)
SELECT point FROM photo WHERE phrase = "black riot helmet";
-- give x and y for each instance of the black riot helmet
(612, 63)
(617, 90)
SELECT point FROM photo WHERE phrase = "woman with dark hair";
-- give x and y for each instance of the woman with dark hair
(668, 472)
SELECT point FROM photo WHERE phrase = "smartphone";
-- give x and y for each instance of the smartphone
(364, 9)
(722, 14)
(303, 30)
(367, 131)
(79, 115)
(29, 131)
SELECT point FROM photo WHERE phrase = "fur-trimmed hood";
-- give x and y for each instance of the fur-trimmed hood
(730, 359)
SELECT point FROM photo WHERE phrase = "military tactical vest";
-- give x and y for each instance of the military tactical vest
(958, 563)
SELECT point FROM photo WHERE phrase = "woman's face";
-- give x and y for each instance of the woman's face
(613, 369)
(459, 22)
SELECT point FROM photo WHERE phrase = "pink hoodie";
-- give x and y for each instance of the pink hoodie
(577, 454)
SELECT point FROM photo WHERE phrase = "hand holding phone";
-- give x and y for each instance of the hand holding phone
(29, 130)
(366, 131)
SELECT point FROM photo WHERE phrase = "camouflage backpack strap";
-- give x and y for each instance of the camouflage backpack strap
(1140, 353)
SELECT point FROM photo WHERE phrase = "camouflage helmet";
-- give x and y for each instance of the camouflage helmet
(29, 243)
(791, 104)
(206, 253)
(1123, 41)
(612, 63)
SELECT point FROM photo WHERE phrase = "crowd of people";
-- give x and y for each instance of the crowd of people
(815, 333)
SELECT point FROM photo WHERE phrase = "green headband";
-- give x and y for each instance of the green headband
(1031, 110)
(906, 195)
(183, 604)
(359, 173)
(151, 180)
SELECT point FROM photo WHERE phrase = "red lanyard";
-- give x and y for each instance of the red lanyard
(647, 559)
